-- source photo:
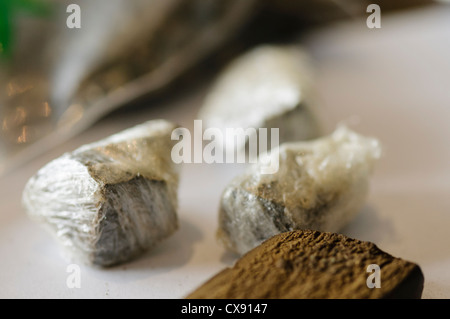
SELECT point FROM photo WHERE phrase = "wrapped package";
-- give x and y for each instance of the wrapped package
(268, 87)
(319, 185)
(109, 201)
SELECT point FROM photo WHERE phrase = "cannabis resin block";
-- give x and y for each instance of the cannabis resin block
(311, 264)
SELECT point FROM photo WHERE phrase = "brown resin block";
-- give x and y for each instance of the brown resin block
(313, 264)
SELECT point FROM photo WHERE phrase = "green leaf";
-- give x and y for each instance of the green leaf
(33, 6)
(8, 9)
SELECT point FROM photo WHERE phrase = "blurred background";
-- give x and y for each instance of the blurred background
(63, 67)
(137, 60)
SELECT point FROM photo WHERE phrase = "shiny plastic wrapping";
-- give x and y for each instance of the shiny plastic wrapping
(109, 201)
(319, 185)
(271, 86)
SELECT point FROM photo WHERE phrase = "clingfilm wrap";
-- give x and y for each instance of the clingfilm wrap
(109, 201)
(319, 185)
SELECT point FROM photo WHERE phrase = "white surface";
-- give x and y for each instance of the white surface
(392, 83)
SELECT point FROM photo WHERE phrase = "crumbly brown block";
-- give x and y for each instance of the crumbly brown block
(312, 264)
